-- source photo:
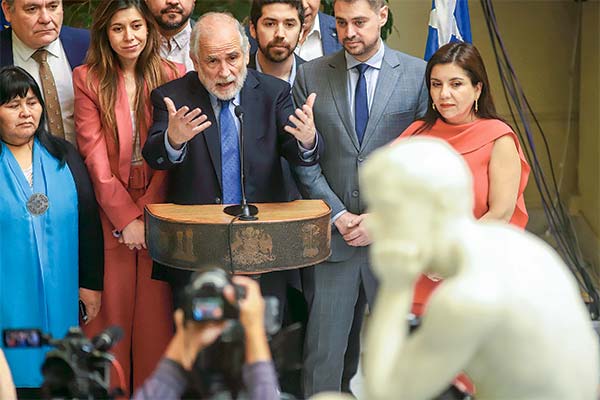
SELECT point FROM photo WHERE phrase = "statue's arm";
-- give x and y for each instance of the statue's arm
(7, 389)
(422, 365)
(386, 338)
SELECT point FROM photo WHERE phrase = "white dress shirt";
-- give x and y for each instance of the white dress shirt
(61, 70)
(313, 46)
(177, 49)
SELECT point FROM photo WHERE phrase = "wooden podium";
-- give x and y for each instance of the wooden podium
(285, 236)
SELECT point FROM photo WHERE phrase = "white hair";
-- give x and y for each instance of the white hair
(197, 32)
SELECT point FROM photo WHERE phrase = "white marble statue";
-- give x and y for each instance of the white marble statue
(508, 313)
(7, 388)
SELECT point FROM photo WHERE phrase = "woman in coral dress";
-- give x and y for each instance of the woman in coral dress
(462, 113)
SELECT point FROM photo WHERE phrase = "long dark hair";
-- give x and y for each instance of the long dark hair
(466, 56)
(103, 63)
(16, 82)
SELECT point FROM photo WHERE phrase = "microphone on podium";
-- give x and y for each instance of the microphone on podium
(239, 112)
(245, 211)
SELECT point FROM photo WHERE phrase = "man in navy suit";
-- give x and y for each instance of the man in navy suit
(189, 134)
(37, 24)
(276, 26)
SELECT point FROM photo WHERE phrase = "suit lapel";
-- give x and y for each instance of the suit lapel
(124, 130)
(339, 91)
(252, 61)
(386, 84)
(211, 135)
(328, 34)
(75, 55)
(249, 99)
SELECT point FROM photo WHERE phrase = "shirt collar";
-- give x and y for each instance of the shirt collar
(316, 28)
(214, 101)
(182, 38)
(373, 62)
(258, 67)
(292, 76)
(25, 52)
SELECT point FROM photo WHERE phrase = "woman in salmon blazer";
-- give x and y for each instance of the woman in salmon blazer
(112, 116)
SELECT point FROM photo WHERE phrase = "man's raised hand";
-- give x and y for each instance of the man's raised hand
(304, 131)
(184, 124)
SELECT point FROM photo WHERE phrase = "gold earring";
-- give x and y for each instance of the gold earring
(476, 106)
(433, 106)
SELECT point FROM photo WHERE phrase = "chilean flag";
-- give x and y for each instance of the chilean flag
(448, 22)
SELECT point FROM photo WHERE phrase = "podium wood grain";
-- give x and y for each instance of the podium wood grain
(285, 236)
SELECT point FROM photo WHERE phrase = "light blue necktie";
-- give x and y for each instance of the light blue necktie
(361, 105)
(230, 156)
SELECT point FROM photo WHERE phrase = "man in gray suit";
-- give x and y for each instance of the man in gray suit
(367, 94)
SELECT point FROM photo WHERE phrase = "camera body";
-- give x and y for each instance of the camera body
(218, 368)
(204, 299)
(77, 367)
(74, 369)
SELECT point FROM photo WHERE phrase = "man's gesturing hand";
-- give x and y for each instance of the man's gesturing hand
(184, 124)
(304, 131)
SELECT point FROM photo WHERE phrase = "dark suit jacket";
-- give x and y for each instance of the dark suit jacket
(75, 42)
(328, 34)
(290, 182)
(197, 179)
(267, 105)
(91, 242)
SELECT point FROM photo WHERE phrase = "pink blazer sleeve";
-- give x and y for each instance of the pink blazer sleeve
(111, 194)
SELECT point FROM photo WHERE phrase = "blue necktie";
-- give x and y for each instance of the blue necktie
(361, 105)
(230, 156)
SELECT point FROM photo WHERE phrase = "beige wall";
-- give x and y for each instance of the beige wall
(589, 121)
(541, 38)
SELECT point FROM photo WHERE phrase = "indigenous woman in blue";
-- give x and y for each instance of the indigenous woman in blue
(51, 250)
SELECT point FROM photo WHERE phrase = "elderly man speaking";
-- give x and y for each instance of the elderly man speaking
(195, 133)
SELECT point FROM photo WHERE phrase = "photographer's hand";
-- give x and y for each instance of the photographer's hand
(252, 318)
(191, 337)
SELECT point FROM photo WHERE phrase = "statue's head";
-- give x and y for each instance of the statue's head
(417, 192)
